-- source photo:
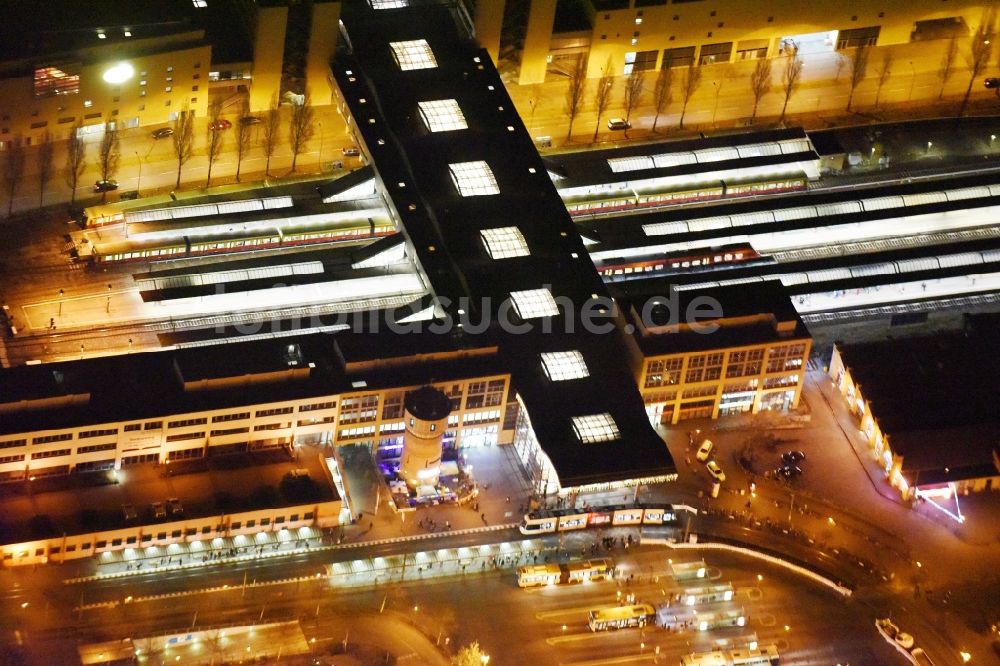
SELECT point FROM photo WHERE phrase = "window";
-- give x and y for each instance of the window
(194, 88)
(96, 447)
(40, 124)
(504, 242)
(98, 433)
(641, 61)
(485, 394)
(153, 425)
(168, 89)
(53, 81)
(533, 303)
(273, 412)
(713, 53)
(185, 436)
(317, 406)
(564, 365)
(46, 439)
(10, 459)
(678, 57)
(595, 428)
(12, 443)
(854, 37)
(50, 454)
(132, 427)
(442, 115)
(473, 179)
(187, 422)
(414, 54)
(239, 416)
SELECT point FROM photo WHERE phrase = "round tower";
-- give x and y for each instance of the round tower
(426, 414)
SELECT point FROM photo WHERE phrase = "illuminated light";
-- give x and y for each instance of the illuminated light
(919, 565)
(473, 178)
(703, 625)
(690, 600)
(442, 115)
(564, 365)
(787, 628)
(753, 645)
(701, 572)
(24, 605)
(728, 596)
(504, 242)
(101, 35)
(119, 73)
(740, 621)
(533, 303)
(966, 657)
(596, 428)
(128, 33)
(414, 54)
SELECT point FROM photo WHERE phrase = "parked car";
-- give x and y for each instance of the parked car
(716, 471)
(174, 506)
(163, 133)
(788, 472)
(619, 124)
(992, 83)
(250, 120)
(129, 512)
(792, 457)
(704, 450)
(159, 511)
(220, 124)
(106, 186)
(351, 152)
(892, 633)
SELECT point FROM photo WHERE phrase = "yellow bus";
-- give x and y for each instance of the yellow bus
(620, 617)
(535, 575)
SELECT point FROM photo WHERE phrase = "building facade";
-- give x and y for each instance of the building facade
(649, 34)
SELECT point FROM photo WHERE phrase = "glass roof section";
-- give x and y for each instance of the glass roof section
(473, 179)
(596, 428)
(415, 54)
(442, 115)
(564, 365)
(504, 242)
(533, 303)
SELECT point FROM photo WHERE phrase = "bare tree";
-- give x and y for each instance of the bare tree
(689, 84)
(576, 92)
(183, 140)
(760, 83)
(13, 172)
(790, 76)
(108, 155)
(858, 64)
(884, 72)
(215, 137)
(76, 161)
(244, 136)
(662, 92)
(45, 165)
(301, 127)
(947, 64)
(979, 53)
(269, 129)
(602, 96)
(470, 655)
(634, 87)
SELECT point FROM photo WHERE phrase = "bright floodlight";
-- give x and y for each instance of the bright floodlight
(532, 303)
(595, 428)
(504, 242)
(564, 365)
(415, 54)
(473, 179)
(119, 73)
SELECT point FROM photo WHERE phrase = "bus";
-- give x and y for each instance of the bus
(708, 594)
(535, 575)
(688, 570)
(620, 617)
(675, 618)
(765, 656)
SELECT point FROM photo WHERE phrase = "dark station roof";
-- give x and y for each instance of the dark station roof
(159, 384)
(444, 229)
(590, 167)
(930, 395)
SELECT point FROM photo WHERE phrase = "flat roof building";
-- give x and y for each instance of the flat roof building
(924, 407)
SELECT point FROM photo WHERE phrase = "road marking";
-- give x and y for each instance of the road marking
(766, 619)
(625, 659)
(545, 615)
(572, 638)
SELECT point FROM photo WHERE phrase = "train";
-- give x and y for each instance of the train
(695, 259)
(185, 247)
(562, 520)
(710, 191)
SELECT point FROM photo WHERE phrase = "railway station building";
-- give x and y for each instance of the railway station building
(934, 438)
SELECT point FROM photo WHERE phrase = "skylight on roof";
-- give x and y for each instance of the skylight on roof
(532, 303)
(473, 179)
(414, 54)
(596, 428)
(504, 242)
(388, 4)
(442, 115)
(564, 365)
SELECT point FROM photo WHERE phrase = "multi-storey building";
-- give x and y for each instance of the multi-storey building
(746, 352)
(542, 36)
(140, 63)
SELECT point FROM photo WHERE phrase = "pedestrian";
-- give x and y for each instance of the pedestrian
(508, 499)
